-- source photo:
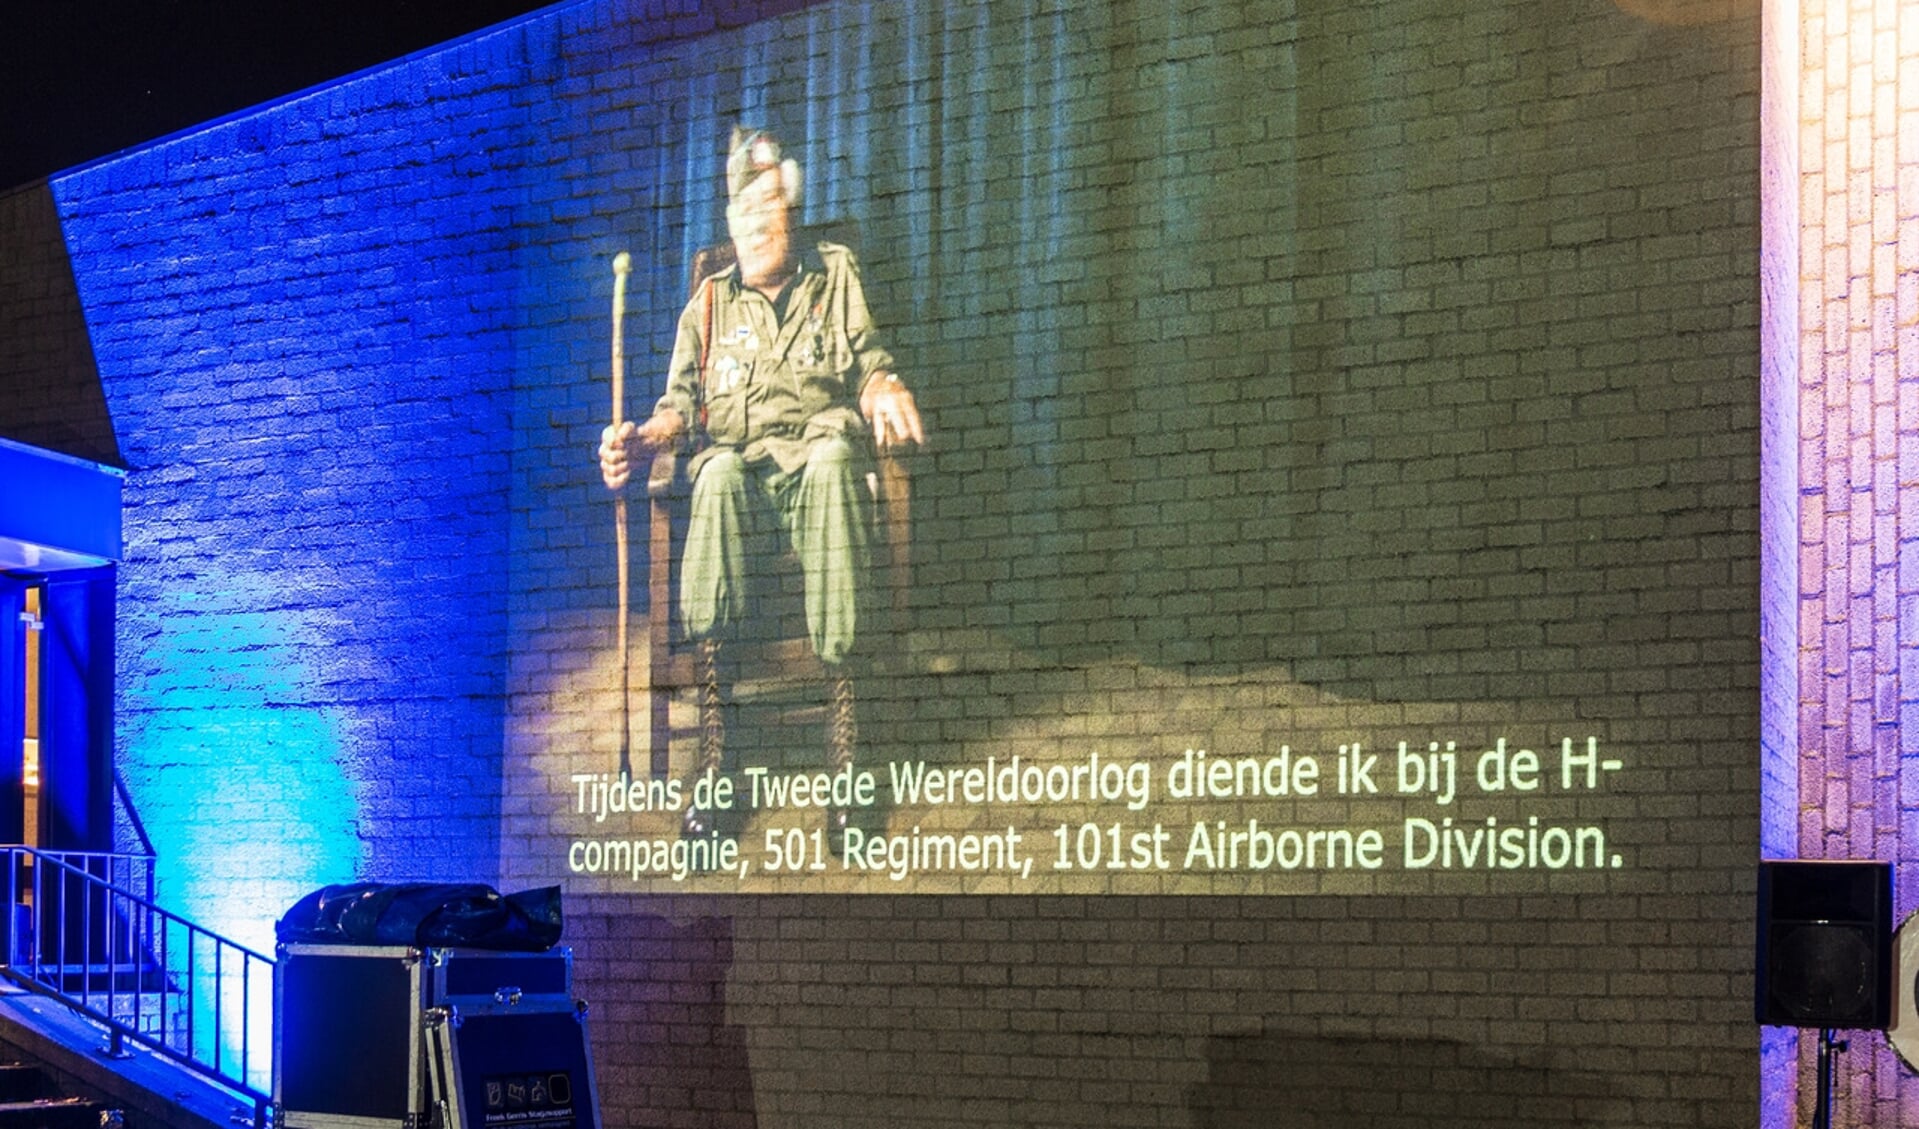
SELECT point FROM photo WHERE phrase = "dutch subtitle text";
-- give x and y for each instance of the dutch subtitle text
(1193, 812)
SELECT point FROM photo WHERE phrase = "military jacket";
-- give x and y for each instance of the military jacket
(768, 386)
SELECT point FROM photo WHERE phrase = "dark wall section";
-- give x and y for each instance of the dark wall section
(49, 392)
(1297, 1013)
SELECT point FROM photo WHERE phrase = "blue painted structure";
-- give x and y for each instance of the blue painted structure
(56, 512)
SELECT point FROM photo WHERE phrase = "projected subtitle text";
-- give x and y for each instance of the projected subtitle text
(1431, 807)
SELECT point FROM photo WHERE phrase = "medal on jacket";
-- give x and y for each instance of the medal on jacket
(816, 326)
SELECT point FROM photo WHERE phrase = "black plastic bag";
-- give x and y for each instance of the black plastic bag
(425, 914)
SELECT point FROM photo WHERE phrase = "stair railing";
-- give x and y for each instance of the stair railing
(79, 935)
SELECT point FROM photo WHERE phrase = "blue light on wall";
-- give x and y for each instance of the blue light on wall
(298, 320)
(244, 786)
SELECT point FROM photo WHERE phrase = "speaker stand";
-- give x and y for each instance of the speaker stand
(1829, 1048)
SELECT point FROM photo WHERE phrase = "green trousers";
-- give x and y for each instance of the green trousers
(740, 514)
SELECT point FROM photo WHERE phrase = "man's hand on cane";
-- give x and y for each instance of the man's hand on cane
(663, 430)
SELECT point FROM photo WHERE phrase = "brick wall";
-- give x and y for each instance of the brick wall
(51, 394)
(1296, 379)
(1779, 493)
(300, 319)
(1856, 302)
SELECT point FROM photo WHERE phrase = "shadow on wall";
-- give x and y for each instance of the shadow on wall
(1298, 1080)
(664, 1041)
(50, 395)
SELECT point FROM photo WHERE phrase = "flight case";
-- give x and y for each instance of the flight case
(507, 1048)
(348, 1037)
(395, 1037)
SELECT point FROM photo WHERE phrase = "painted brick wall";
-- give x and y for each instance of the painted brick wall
(1476, 286)
(300, 322)
(1779, 495)
(1858, 408)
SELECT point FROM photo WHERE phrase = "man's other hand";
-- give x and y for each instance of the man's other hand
(890, 411)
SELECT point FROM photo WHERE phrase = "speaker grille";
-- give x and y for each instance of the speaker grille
(1825, 951)
(1823, 972)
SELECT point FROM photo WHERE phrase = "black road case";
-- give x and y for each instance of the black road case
(518, 1067)
(348, 1037)
(394, 1037)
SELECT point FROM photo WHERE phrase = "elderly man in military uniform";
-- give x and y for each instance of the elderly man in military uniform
(778, 361)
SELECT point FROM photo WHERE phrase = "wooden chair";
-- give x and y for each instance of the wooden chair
(677, 665)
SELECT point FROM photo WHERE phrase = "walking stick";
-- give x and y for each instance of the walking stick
(622, 265)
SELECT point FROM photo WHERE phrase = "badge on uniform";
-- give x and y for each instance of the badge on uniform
(728, 374)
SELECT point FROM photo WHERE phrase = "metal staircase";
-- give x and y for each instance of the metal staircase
(83, 929)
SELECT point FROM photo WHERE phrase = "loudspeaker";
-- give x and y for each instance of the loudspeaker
(1825, 944)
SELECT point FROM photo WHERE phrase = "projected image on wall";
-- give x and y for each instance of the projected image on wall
(1009, 490)
(781, 389)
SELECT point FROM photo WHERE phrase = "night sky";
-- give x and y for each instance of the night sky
(81, 79)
